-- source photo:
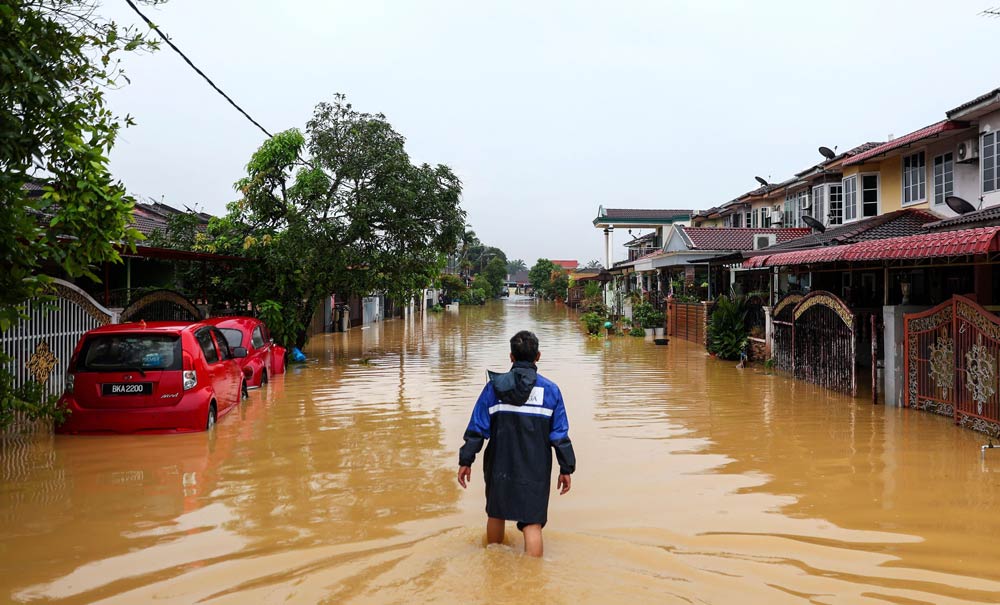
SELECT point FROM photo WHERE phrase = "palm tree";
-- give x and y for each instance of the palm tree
(515, 266)
(469, 241)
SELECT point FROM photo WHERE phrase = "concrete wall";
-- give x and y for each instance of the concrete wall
(988, 123)
(892, 317)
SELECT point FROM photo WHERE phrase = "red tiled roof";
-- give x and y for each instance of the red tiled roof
(927, 245)
(938, 244)
(566, 264)
(923, 133)
(737, 238)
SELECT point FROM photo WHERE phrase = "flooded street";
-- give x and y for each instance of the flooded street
(696, 482)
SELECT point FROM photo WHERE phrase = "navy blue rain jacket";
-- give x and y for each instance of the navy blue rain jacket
(522, 415)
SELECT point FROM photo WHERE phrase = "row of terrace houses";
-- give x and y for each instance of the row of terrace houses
(874, 267)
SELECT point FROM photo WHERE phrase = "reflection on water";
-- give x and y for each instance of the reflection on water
(697, 482)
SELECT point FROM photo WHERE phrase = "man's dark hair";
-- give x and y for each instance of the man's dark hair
(524, 346)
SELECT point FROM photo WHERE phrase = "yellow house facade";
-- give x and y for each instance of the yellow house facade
(918, 170)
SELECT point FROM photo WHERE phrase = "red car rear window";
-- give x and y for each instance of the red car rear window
(122, 352)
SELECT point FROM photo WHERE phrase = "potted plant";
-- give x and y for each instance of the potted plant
(727, 333)
(657, 318)
(642, 315)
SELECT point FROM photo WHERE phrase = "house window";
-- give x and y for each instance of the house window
(818, 202)
(850, 198)
(736, 220)
(754, 219)
(989, 158)
(765, 217)
(869, 195)
(836, 216)
(944, 177)
(748, 218)
(914, 179)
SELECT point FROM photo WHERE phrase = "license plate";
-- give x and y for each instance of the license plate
(127, 388)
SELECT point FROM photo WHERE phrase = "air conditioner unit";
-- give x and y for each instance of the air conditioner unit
(763, 240)
(777, 217)
(967, 150)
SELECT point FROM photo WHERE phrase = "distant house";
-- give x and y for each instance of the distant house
(569, 265)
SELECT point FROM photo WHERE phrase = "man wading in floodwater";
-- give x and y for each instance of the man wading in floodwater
(523, 416)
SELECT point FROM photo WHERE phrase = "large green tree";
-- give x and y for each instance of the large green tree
(62, 211)
(496, 274)
(357, 216)
(541, 273)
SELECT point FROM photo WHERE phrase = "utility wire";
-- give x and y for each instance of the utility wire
(195, 67)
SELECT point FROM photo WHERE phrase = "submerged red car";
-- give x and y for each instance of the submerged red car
(263, 358)
(152, 377)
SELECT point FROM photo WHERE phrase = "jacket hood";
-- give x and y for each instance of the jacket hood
(515, 386)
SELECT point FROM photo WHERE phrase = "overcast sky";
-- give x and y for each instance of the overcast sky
(546, 110)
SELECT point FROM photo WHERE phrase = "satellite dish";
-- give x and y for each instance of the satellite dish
(959, 205)
(761, 181)
(827, 153)
(813, 223)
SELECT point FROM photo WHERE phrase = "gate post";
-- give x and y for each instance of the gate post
(954, 356)
(854, 356)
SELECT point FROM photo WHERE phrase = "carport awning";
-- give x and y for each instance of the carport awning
(966, 242)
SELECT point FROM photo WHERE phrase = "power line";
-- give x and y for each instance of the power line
(195, 67)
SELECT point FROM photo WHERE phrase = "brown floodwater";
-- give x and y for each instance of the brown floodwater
(697, 482)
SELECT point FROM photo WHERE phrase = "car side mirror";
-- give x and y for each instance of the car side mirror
(239, 352)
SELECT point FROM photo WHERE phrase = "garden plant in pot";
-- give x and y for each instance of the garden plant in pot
(727, 332)
(645, 315)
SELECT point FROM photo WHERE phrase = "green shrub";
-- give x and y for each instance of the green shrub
(473, 296)
(482, 284)
(727, 333)
(641, 312)
(452, 286)
(637, 331)
(437, 309)
(593, 322)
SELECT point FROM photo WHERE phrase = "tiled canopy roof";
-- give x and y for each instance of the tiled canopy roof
(566, 264)
(149, 218)
(984, 217)
(641, 241)
(735, 238)
(913, 137)
(980, 99)
(624, 214)
(965, 242)
(892, 224)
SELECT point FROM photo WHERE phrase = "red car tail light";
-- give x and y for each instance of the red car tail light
(190, 376)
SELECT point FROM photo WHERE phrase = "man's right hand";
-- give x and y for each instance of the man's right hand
(464, 475)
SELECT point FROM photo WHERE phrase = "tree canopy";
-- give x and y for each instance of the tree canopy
(62, 211)
(357, 216)
(59, 204)
(548, 279)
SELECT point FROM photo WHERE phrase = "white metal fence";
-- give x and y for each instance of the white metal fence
(41, 345)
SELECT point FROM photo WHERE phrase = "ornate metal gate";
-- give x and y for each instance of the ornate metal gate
(162, 305)
(781, 325)
(951, 354)
(42, 344)
(823, 344)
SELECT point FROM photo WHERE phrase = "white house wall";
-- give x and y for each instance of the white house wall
(988, 123)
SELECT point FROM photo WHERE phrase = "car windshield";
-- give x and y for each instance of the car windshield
(111, 352)
(233, 337)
